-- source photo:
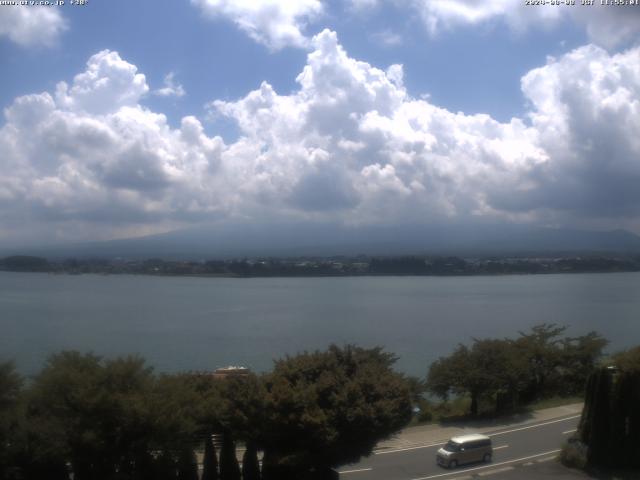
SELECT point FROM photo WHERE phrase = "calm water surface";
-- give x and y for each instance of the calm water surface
(181, 323)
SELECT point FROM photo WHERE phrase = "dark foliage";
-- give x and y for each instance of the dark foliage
(250, 465)
(509, 373)
(229, 468)
(10, 385)
(329, 408)
(628, 360)
(25, 263)
(210, 461)
(610, 423)
(330, 266)
(164, 467)
(97, 419)
(187, 465)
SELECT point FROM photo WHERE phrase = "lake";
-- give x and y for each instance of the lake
(185, 323)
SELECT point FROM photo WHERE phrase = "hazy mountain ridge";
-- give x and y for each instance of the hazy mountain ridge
(286, 240)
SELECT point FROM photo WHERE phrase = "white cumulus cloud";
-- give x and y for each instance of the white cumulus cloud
(585, 123)
(31, 25)
(171, 88)
(349, 145)
(274, 23)
(107, 84)
(90, 155)
(606, 25)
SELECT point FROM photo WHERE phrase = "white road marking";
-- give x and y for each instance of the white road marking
(488, 466)
(418, 447)
(570, 431)
(409, 448)
(533, 426)
(497, 470)
(355, 471)
(501, 446)
(547, 459)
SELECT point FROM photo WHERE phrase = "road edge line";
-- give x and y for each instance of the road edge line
(488, 466)
(489, 434)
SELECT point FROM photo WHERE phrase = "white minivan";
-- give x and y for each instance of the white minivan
(465, 449)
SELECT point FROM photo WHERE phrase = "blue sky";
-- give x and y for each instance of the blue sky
(487, 119)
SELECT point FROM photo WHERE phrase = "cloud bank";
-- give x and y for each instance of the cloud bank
(350, 145)
(279, 24)
(606, 25)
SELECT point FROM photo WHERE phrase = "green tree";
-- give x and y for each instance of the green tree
(242, 411)
(250, 465)
(207, 403)
(499, 365)
(489, 369)
(325, 409)
(109, 418)
(95, 413)
(178, 407)
(509, 372)
(209, 462)
(187, 464)
(580, 356)
(558, 365)
(10, 390)
(67, 405)
(229, 468)
(129, 425)
(542, 350)
(628, 360)
(610, 423)
(164, 466)
(451, 376)
(241, 406)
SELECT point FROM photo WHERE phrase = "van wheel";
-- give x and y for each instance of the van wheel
(453, 464)
(486, 458)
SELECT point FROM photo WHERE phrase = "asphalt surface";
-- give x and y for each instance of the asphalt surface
(514, 448)
(545, 469)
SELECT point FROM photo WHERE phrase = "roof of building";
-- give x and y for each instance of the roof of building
(230, 371)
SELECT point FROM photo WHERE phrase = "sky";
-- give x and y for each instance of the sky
(123, 119)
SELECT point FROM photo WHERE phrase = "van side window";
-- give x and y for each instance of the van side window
(478, 444)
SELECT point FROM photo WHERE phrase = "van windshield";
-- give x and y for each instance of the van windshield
(452, 446)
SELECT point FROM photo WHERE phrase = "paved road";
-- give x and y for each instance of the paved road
(515, 446)
(543, 469)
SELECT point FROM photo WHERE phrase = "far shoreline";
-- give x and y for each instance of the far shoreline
(317, 276)
(329, 267)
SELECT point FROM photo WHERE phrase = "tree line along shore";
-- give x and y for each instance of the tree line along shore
(97, 418)
(329, 266)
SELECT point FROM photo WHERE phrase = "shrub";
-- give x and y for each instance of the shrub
(574, 455)
(425, 416)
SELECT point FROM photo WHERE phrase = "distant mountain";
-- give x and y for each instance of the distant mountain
(290, 240)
